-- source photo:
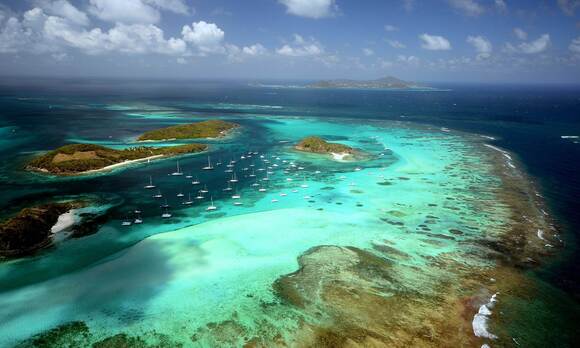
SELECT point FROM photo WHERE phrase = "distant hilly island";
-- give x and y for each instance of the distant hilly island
(388, 82)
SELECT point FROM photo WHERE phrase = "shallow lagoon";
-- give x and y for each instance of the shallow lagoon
(425, 194)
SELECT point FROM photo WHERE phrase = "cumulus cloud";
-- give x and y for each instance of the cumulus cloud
(135, 11)
(310, 8)
(389, 27)
(410, 60)
(368, 52)
(532, 47)
(255, 50)
(536, 46)
(569, 6)
(520, 34)
(396, 44)
(468, 7)
(482, 46)
(64, 9)
(501, 6)
(301, 48)
(434, 42)
(575, 45)
(207, 37)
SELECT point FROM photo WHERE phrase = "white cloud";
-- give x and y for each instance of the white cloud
(482, 45)
(411, 60)
(435, 42)
(396, 44)
(301, 48)
(408, 5)
(176, 6)
(255, 50)
(389, 27)
(575, 45)
(135, 11)
(468, 7)
(569, 6)
(310, 8)
(536, 46)
(368, 52)
(126, 11)
(64, 9)
(207, 37)
(520, 34)
(501, 6)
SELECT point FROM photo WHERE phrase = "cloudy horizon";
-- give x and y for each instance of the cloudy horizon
(446, 40)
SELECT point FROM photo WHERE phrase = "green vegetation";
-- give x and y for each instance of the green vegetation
(29, 230)
(205, 129)
(319, 145)
(79, 158)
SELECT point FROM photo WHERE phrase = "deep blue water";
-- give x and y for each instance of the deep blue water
(528, 121)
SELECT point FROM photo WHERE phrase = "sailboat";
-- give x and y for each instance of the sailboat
(204, 190)
(178, 172)
(209, 166)
(180, 194)
(189, 176)
(195, 181)
(199, 195)
(126, 222)
(150, 186)
(189, 201)
(165, 214)
(253, 173)
(304, 185)
(138, 220)
(236, 195)
(165, 205)
(211, 207)
(229, 188)
(234, 178)
(158, 194)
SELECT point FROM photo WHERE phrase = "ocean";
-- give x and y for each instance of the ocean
(429, 143)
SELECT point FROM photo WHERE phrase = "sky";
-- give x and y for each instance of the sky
(486, 41)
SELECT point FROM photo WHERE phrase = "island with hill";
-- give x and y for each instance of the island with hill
(75, 159)
(388, 82)
(204, 129)
(30, 229)
(314, 144)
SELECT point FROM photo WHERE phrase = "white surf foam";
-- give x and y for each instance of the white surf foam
(480, 319)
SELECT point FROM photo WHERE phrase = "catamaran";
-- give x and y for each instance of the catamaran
(178, 172)
(211, 207)
(209, 166)
(150, 186)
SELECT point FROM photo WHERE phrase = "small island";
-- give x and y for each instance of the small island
(75, 159)
(30, 229)
(204, 129)
(388, 82)
(318, 145)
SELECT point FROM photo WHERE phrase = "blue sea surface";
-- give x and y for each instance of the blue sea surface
(540, 125)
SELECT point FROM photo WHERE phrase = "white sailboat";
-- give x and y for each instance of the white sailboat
(180, 194)
(150, 186)
(209, 166)
(229, 188)
(166, 214)
(178, 172)
(195, 181)
(211, 207)
(158, 194)
(204, 190)
(189, 201)
(234, 178)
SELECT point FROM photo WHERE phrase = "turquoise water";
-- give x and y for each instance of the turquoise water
(175, 276)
